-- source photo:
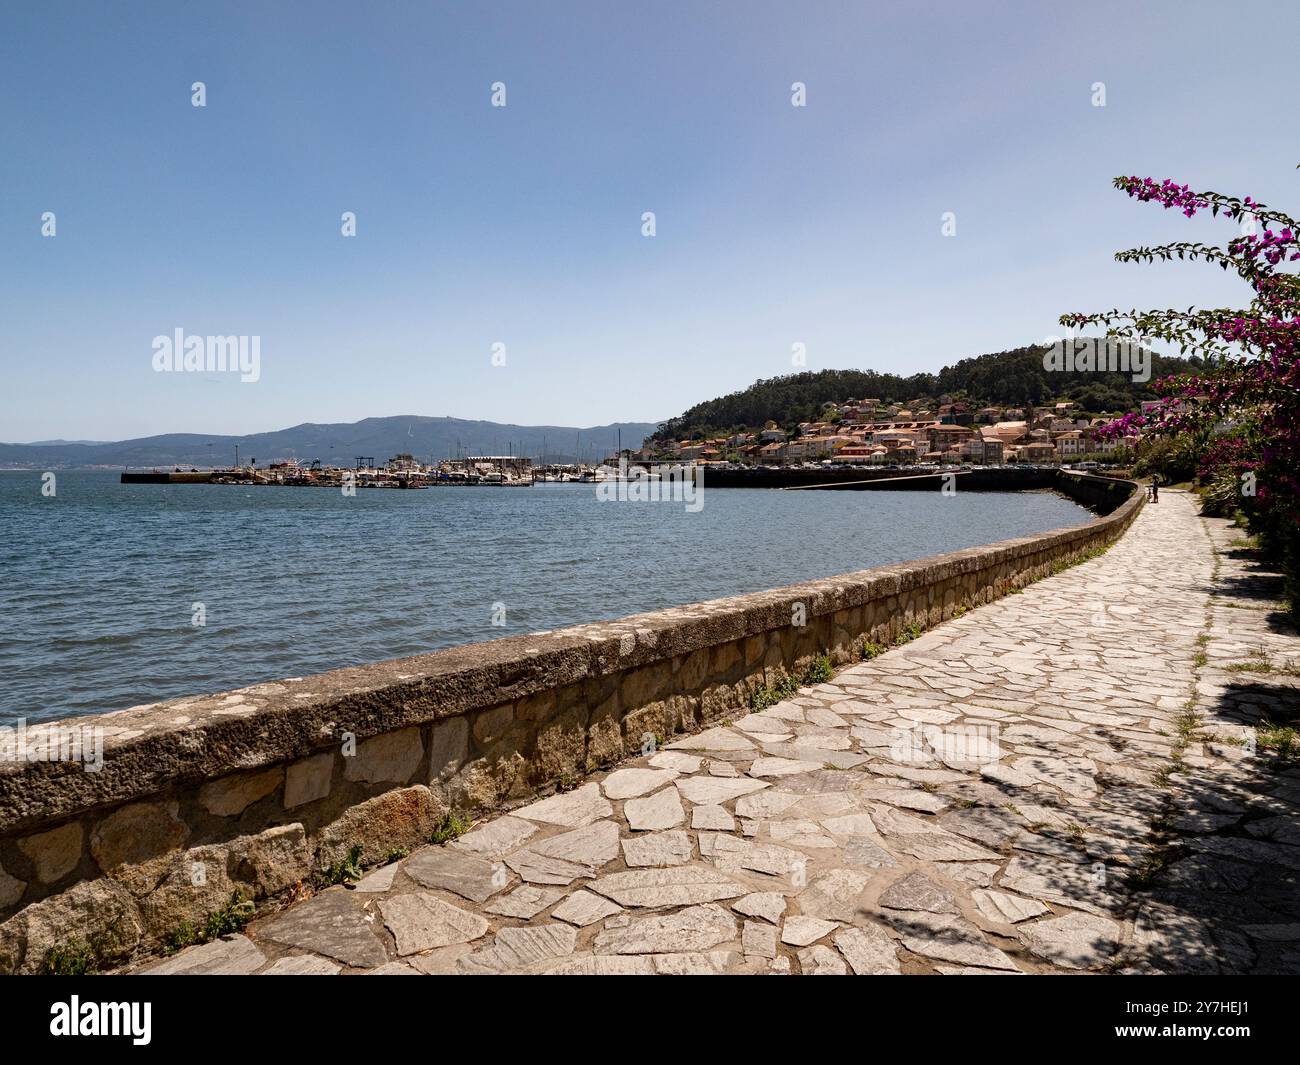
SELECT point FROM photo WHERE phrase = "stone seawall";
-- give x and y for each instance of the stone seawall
(256, 789)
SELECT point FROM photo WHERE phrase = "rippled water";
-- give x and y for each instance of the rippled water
(98, 584)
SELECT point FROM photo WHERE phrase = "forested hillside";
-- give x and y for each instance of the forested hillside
(1007, 378)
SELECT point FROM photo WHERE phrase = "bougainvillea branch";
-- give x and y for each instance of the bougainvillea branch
(1246, 401)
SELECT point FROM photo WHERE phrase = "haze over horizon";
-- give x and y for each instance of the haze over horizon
(521, 225)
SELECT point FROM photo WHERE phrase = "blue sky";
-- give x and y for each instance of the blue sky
(522, 225)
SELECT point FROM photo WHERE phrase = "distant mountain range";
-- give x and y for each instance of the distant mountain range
(340, 445)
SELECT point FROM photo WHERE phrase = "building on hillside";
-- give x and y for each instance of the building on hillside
(942, 437)
(858, 454)
(1072, 444)
(1036, 452)
(986, 451)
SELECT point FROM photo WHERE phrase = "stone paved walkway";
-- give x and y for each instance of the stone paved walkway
(1063, 780)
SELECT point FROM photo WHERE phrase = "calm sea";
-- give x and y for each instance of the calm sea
(101, 583)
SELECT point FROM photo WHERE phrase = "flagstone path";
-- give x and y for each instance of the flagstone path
(1075, 778)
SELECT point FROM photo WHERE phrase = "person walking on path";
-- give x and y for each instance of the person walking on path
(1155, 488)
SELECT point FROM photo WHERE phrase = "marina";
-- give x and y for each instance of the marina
(401, 471)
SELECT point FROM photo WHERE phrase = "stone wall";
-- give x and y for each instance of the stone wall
(256, 789)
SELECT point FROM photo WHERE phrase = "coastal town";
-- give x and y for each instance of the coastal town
(869, 432)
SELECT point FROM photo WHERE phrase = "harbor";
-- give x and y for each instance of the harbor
(402, 471)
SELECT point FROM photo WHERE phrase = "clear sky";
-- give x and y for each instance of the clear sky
(522, 225)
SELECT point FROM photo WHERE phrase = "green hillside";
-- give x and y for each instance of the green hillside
(1007, 378)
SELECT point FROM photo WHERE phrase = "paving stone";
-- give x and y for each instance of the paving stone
(582, 908)
(763, 858)
(915, 891)
(820, 960)
(562, 859)
(302, 965)
(948, 937)
(1074, 884)
(393, 968)
(441, 962)
(826, 718)
(1273, 932)
(713, 739)
(573, 809)
(379, 880)
(869, 950)
(713, 818)
(695, 928)
(496, 839)
(718, 768)
(231, 956)
(712, 791)
(632, 783)
(762, 725)
(759, 939)
(1073, 776)
(603, 965)
(921, 840)
(519, 950)
(525, 902)
(1008, 909)
(849, 825)
(1077, 941)
(657, 850)
(801, 931)
(835, 895)
(422, 921)
(913, 799)
(660, 810)
(858, 850)
(333, 924)
(465, 875)
(695, 963)
(680, 886)
(766, 804)
(682, 763)
(769, 905)
(818, 757)
(977, 874)
(1284, 828)
(1248, 850)
(1174, 940)
(781, 767)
